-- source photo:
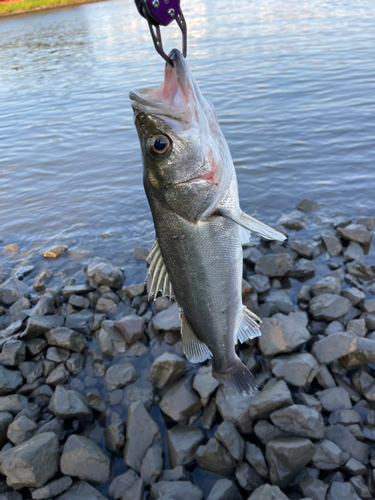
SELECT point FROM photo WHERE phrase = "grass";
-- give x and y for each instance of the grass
(30, 5)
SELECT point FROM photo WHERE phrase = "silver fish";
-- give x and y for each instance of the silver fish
(191, 186)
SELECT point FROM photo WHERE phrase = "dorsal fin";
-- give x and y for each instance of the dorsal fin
(195, 350)
(160, 281)
(249, 328)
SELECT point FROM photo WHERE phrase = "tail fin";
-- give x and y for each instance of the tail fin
(238, 377)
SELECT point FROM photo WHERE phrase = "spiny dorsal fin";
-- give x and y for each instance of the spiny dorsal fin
(251, 224)
(160, 281)
(195, 350)
(249, 328)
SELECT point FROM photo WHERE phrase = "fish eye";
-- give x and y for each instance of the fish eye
(159, 144)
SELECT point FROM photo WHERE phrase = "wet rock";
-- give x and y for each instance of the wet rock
(328, 456)
(152, 465)
(255, 457)
(122, 483)
(344, 417)
(141, 431)
(329, 306)
(332, 243)
(32, 463)
(360, 270)
(268, 492)
(69, 404)
(233, 407)
(282, 334)
(81, 321)
(343, 438)
(353, 251)
(304, 294)
(360, 487)
(176, 490)
(11, 495)
(302, 268)
(119, 375)
(107, 305)
(296, 369)
(168, 319)
(21, 430)
(274, 395)
(81, 490)
(79, 302)
(228, 435)
(133, 394)
(324, 378)
(70, 290)
(114, 434)
(247, 477)
(334, 347)
(52, 489)
(14, 403)
(55, 425)
(57, 354)
(10, 380)
(44, 306)
(66, 338)
(6, 418)
(11, 290)
(274, 265)
(55, 252)
(180, 401)
(183, 441)
(74, 363)
(307, 205)
(213, 457)
(135, 492)
(131, 327)
(209, 415)
(102, 272)
(178, 473)
(166, 369)
(355, 232)
(280, 301)
(36, 346)
(82, 458)
(299, 420)
(302, 247)
(355, 468)
(204, 383)
(286, 457)
(294, 220)
(354, 295)
(260, 283)
(313, 488)
(37, 327)
(224, 489)
(343, 491)
(14, 351)
(329, 284)
(364, 353)
(335, 398)
(111, 342)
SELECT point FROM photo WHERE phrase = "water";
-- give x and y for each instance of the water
(293, 84)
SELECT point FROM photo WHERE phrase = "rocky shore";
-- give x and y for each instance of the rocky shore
(98, 401)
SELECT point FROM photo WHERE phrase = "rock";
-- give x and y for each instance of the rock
(57, 354)
(58, 376)
(335, 398)
(213, 457)
(81, 321)
(204, 383)
(282, 334)
(11, 290)
(328, 456)
(360, 487)
(52, 489)
(360, 270)
(365, 384)
(334, 347)
(313, 488)
(294, 220)
(233, 407)
(180, 401)
(355, 232)
(141, 431)
(14, 351)
(302, 247)
(274, 265)
(183, 441)
(10, 380)
(69, 404)
(343, 438)
(353, 251)
(119, 375)
(364, 353)
(70, 290)
(302, 268)
(304, 294)
(44, 306)
(168, 319)
(133, 394)
(6, 418)
(299, 420)
(286, 457)
(81, 491)
(343, 491)
(247, 477)
(355, 468)
(32, 463)
(274, 395)
(131, 327)
(107, 305)
(66, 338)
(55, 252)
(332, 243)
(255, 457)
(152, 465)
(267, 432)
(74, 363)
(79, 302)
(268, 492)
(344, 417)
(11, 495)
(176, 490)
(329, 306)
(296, 369)
(228, 435)
(102, 272)
(307, 205)
(354, 295)
(329, 284)
(260, 284)
(13, 403)
(140, 253)
(224, 489)
(114, 434)
(135, 492)
(111, 342)
(55, 425)
(280, 300)
(82, 458)
(122, 483)
(178, 473)
(39, 326)
(166, 369)
(21, 430)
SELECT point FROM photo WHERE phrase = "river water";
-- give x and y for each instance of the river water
(293, 84)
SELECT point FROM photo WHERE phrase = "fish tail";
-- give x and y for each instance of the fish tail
(239, 377)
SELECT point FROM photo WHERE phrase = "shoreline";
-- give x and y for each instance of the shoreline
(67, 3)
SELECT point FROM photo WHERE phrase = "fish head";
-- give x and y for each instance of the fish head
(187, 163)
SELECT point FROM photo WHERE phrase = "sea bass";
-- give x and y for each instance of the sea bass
(191, 186)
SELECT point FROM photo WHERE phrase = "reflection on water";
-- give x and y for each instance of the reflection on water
(292, 83)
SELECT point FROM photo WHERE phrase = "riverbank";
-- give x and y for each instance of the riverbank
(95, 386)
(26, 6)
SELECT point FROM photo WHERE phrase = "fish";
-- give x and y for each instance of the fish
(191, 186)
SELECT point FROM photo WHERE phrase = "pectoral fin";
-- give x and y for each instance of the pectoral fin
(249, 328)
(195, 350)
(160, 281)
(251, 224)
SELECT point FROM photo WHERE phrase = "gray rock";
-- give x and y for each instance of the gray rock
(32, 463)
(44, 306)
(107, 305)
(302, 268)
(82, 458)
(296, 369)
(274, 265)
(302, 247)
(247, 477)
(334, 327)
(344, 417)
(280, 300)
(353, 251)
(178, 473)
(354, 295)
(166, 369)
(307, 205)
(328, 456)
(180, 401)
(69, 404)
(55, 252)
(58, 376)
(343, 438)
(79, 302)
(11, 290)
(355, 232)
(369, 222)
(299, 420)
(21, 430)
(293, 220)
(286, 457)
(66, 338)
(141, 431)
(39, 326)
(260, 284)
(268, 492)
(57, 354)
(313, 488)
(70, 290)
(81, 491)
(102, 272)
(14, 351)
(304, 294)
(360, 487)
(111, 342)
(335, 398)
(209, 415)
(5, 419)
(343, 491)
(282, 334)
(114, 434)
(135, 492)
(329, 284)
(267, 432)
(183, 441)
(204, 383)
(228, 435)
(334, 347)
(233, 407)
(355, 468)
(74, 363)
(224, 489)
(134, 393)
(52, 489)
(119, 375)
(274, 395)
(14, 403)
(360, 270)
(10, 380)
(11, 495)
(152, 465)
(176, 490)
(81, 321)
(122, 483)
(329, 306)
(168, 319)
(213, 457)
(131, 327)
(332, 243)
(255, 457)
(55, 425)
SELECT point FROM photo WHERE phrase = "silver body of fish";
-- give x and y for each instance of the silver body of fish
(191, 186)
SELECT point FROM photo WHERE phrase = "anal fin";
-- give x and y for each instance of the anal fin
(195, 350)
(249, 328)
(160, 281)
